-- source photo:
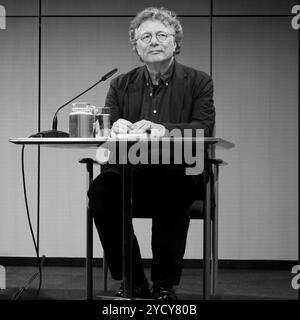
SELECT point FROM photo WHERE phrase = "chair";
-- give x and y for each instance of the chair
(210, 229)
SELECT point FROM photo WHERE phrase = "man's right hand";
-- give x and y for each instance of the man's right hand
(121, 126)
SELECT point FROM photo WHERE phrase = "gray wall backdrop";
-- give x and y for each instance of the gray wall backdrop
(254, 67)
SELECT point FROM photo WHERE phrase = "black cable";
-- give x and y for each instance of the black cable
(40, 262)
(298, 38)
(18, 294)
(211, 37)
(39, 126)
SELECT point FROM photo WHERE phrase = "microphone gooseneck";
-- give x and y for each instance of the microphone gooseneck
(54, 132)
(105, 77)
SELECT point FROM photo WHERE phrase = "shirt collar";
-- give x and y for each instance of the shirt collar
(164, 78)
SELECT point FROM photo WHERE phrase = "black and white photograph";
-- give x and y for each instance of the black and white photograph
(149, 153)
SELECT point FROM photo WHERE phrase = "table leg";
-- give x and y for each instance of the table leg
(89, 238)
(127, 230)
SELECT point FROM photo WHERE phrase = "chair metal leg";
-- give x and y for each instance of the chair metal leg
(214, 274)
(207, 238)
(212, 225)
(105, 271)
(89, 238)
(127, 231)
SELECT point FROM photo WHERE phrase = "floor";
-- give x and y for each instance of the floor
(68, 283)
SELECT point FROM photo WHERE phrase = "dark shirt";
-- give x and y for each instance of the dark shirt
(156, 97)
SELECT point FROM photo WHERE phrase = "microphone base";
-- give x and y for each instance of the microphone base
(50, 134)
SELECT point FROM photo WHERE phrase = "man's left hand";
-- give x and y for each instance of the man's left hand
(143, 126)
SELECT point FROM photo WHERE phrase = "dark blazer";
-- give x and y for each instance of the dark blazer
(191, 100)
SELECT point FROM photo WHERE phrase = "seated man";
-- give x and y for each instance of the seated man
(159, 96)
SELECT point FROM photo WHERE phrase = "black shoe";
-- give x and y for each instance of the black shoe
(139, 291)
(161, 292)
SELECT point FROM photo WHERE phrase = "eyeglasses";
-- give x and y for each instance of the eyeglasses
(160, 36)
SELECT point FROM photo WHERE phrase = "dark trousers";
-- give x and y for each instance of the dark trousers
(166, 193)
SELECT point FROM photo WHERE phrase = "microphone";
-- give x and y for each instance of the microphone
(54, 133)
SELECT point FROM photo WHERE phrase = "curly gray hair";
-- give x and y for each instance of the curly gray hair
(167, 17)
